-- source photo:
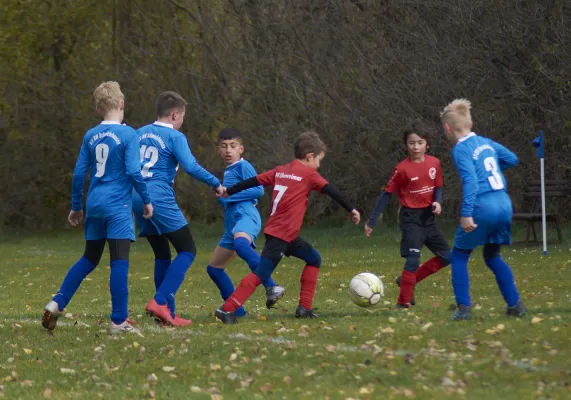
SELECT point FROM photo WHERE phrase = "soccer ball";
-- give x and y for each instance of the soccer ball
(366, 289)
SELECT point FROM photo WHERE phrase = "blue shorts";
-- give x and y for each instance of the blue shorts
(493, 215)
(240, 220)
(118, 226)
(167, 216)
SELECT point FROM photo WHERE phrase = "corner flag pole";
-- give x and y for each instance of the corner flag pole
(541, 155)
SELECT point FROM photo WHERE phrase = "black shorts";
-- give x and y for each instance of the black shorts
(418, 226)
(275, 248)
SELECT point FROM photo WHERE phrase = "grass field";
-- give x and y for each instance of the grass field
(347, 352)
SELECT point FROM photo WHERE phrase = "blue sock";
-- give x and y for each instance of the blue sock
(173, 279)
(161, 267)
(247, 253)
(505, 279)
(225, 285)
(119, 285)
(460, 277)
(73, 279)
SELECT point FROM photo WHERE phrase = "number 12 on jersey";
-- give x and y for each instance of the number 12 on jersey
(281, 190)
(152, 153)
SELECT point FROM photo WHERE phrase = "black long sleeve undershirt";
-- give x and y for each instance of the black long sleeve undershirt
(243, 185)
(332, 191)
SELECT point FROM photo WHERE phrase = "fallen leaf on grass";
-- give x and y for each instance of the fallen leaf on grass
(233, 356)
(287, 379)
(152, 378)
(195, 389)
(310, 372)
(27, 382)
(266, 388)
(495, 330)
(426, 326)
(536, 320)
(67, 371)
(47, 393)
(168, 369)
(215, 367)
(388, 330)
(330, 348)
(28, 351)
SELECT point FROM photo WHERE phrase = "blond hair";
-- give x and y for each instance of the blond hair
(457, 114)
(108, 96)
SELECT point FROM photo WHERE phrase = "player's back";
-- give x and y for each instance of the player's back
(104, 149)
(485, 159)
(158, 144)
(292, 184)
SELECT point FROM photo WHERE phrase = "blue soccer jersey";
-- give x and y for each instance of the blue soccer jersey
(162, 149)
(480, 162)
(111, 151)
(240, 212)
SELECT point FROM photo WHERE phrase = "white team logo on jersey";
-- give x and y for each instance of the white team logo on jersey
(432, 173)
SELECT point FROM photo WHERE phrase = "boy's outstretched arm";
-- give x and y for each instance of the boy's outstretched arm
(252, 193)
(78, 179)
(267, 178)
(382, 202)
(185, 158)
(332, 191)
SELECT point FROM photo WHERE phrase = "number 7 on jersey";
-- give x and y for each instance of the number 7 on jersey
(281, 190)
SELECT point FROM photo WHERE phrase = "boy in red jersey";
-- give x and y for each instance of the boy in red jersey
(418, 182)
(292, 184)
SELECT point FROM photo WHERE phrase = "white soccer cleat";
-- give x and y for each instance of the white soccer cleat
(125, 327)
(51, 315)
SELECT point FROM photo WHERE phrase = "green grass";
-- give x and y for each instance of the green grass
(347, 352)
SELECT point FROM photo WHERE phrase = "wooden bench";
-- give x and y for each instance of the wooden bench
(555, 192)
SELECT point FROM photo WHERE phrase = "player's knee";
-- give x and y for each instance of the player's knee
(412, 263)
(444, 257)
(265, 268)
(491, 250)
(314, 259)
(182, 240)
(94, 251)
(119, 249)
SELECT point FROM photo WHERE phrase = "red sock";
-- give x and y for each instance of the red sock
(407, 283)
(428, 268)
(242, 293)
(308, 283)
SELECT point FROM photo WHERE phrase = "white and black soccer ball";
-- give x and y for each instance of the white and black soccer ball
(366, 289)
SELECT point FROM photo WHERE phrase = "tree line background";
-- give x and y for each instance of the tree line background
(356, 71)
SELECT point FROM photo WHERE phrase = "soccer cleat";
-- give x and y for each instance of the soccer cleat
(162, 313)
(462, 313)
(273, 294)
(179, 321)
(126, 327)
(412, 301)
(51, 315)
(302, 312)
(518, 310)
(227, 317)
(401, 306)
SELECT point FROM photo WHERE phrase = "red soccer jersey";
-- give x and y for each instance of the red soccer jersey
(415, 182)
(292, 184)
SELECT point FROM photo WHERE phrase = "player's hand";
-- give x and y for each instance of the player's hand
(75, 217)
(147, 211)
(468, 224)
(368, 230)
(220, 190)
(355, 217)
(223, 194)
(436, 208)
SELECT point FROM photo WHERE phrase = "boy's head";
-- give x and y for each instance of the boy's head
(416, 137)
(456, 119)
(230, 146)
(171, 108)
(309, 149)
(109, 98)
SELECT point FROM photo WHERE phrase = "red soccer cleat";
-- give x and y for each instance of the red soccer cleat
(179, 321)
(162, 313)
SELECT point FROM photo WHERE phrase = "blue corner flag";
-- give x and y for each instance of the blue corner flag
(538, 144)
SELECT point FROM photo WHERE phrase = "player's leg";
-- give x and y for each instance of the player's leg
(413, 236)
(271, 256)
(504, 279)
(464, 243)
(162, 252)
(438, 245)
(299, 248)
(76, 274)
(216, 270)
(119, 285)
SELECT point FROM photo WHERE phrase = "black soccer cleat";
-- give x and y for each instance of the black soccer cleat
(412, 301)
(518, 310)
(227, 317)
(463, 313)
(302, 312)
(273, 294)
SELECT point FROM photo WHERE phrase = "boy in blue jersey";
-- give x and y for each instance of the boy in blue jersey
(242, 221)
(486, 211)
(110, 150)
(162, 149)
